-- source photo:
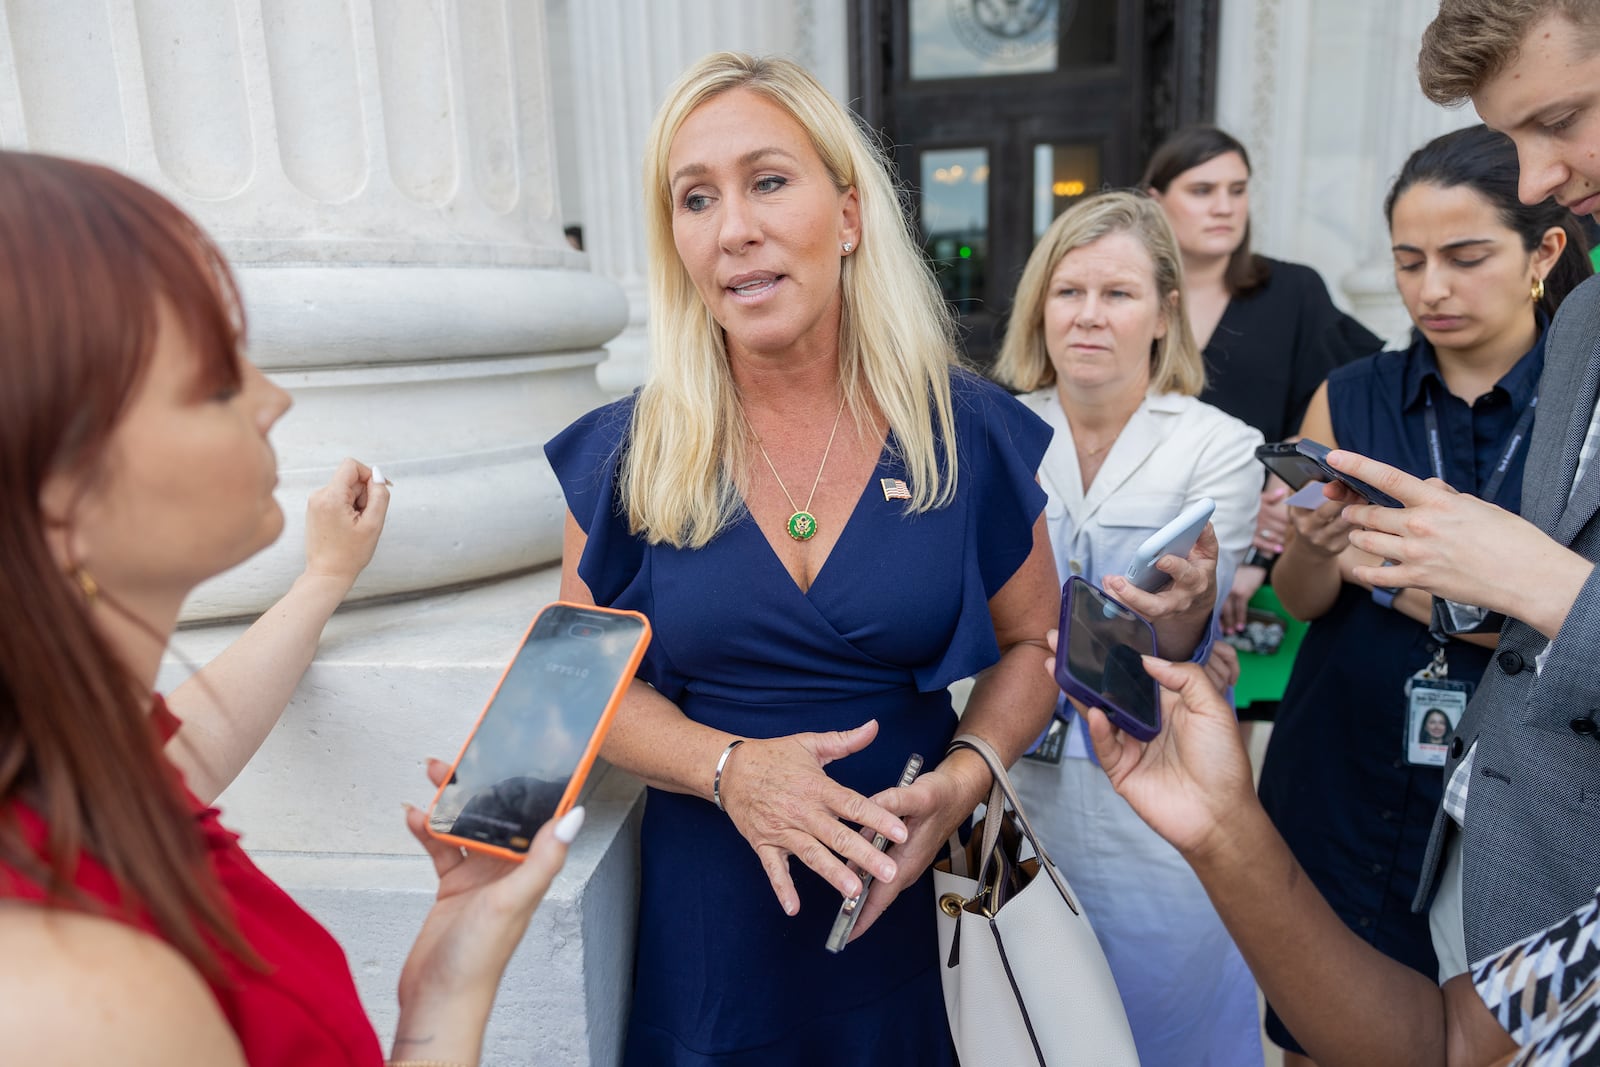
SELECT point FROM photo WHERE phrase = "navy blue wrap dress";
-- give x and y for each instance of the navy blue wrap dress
(899, 610)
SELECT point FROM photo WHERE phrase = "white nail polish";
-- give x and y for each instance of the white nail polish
(566, 830)
(377, 477)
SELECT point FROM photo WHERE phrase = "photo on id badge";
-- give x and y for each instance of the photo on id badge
(1435, 709)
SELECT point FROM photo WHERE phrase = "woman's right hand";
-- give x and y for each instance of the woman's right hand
(343, 522)
(778, 797)
(1323, 530)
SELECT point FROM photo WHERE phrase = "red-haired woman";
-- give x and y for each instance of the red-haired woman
(134, 464)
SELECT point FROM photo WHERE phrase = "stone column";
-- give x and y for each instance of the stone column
(1324, 95)
(381, 175)
(1398, 121)
(641, 50)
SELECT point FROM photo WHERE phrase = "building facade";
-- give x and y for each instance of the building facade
(391, 180)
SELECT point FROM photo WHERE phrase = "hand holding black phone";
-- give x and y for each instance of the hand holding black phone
(1304, 461)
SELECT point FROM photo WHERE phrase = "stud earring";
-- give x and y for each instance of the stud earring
(86, 582)
(848, 247)
(1537, 292)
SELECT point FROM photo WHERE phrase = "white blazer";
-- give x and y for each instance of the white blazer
(1173, 451)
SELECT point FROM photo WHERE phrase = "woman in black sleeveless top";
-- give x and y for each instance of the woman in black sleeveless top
(1350, 779)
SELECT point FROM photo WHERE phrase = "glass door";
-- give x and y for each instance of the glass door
(1003, 112)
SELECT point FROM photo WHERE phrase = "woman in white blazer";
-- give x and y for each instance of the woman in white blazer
(1099, 341)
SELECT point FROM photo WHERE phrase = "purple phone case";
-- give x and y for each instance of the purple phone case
(1128, 723)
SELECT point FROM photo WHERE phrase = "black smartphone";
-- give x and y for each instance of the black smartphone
(1300, 462)
(527, 758)
(1099, 643)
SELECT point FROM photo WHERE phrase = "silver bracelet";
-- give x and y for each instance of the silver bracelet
(716, 779)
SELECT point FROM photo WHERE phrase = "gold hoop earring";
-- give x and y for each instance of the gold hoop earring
(86, 582)
(1537, 292)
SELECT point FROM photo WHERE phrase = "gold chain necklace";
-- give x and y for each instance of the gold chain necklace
(1093, 452)
(802, 525)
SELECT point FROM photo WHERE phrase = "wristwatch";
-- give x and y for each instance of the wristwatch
(1257, 558)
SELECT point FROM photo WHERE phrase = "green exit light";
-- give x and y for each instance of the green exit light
(966, 252)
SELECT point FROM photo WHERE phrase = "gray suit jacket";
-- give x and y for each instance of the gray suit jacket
(1531, 837)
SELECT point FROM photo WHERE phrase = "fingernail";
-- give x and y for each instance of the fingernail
(1157, 660)
(790, 907)
(887, 872)
(852, 889)
(567, 829)
(377, 477)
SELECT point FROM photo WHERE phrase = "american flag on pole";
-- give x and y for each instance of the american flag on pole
(895, 489)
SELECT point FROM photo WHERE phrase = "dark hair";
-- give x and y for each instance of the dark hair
(89, 258)
(1422, 728)
(1187, 149)
(1485, 161)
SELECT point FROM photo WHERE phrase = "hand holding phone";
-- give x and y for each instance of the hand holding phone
(1176, 538)
(1098, 658)
(528, 756)
(1304, 461)
(845, 922)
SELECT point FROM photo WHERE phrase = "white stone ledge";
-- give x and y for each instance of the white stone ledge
(565, 995)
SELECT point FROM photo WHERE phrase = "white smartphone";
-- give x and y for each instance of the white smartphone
(1176, 538)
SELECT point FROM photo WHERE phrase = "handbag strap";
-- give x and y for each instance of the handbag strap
(1003, 789)
(958, 852)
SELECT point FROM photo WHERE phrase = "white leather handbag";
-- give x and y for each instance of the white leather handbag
(1025, 980)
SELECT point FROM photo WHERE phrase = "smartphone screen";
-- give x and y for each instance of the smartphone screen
(537, 728)
(1297, 470)
(1104, 643)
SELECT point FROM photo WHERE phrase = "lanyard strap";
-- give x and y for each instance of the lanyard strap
(1519, 433)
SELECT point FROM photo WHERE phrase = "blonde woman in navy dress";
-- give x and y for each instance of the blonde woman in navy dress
(827, 522)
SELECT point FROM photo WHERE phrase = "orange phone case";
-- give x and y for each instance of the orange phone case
(580, 773)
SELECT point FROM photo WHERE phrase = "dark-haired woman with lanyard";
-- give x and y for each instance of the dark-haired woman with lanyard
(1346, 780)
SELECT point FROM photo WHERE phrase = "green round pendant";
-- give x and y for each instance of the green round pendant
(802, 526)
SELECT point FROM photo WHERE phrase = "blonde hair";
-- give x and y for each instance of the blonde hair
(896, 337)
(1176, 365)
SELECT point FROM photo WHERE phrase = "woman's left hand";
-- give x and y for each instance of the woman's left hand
(1236, 608)
(1182, 611)
(481, 912)
(343, 521)
(1272, 518)
(932, 807)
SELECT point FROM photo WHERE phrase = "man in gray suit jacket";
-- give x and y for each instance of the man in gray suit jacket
(1520, 827)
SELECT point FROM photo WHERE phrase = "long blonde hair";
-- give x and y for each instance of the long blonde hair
(896, 339)
(1176, 365)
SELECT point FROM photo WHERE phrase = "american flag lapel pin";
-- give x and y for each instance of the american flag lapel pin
(894, 489)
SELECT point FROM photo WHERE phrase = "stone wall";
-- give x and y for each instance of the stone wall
(1324, 95)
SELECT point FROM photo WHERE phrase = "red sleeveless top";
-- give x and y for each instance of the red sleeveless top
(302, 1011)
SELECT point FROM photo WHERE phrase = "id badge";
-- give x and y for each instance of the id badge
(1434, 709)
(1052, 745)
